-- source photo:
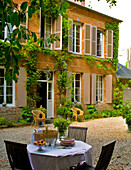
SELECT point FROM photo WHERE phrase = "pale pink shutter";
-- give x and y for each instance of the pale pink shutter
(68, 94)
(21, 90)
(109, 50)
(93, 88)
(70, 35)
(94, 40)
(87, 39)
(108, 88)
(86, 88)
(58, 32)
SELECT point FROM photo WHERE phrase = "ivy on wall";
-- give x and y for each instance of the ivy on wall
(115, 27)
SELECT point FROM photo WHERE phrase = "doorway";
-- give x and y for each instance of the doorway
(46, 93)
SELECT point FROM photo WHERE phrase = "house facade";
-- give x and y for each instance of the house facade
(88, 38)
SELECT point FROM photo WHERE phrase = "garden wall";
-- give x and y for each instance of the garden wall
(12, 114)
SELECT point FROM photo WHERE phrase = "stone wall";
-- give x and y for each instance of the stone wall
(12, 114)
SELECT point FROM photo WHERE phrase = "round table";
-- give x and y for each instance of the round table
(58, 159)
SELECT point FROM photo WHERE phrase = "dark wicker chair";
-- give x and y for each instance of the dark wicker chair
(79, 133)
(17, 155)
(104, 158)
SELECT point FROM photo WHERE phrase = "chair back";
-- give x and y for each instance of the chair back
(79, 133)
(17, 155)
(105, 156)
(38, 114)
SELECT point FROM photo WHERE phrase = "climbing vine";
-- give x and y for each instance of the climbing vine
(115, 27)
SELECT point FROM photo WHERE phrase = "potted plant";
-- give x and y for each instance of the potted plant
(128, 121)
(62, 125)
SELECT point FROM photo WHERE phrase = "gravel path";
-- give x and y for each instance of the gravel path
(100, 131)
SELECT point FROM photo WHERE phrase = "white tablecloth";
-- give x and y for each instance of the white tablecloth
(59, 159)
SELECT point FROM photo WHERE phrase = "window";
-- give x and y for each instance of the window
(76, 88)
(100, 44)
(7, 91)
(5, 32)
(48, 31)
(76, 38)
(99, 88)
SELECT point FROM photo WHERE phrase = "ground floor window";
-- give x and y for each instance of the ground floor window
(99, 88)
(76, 88)
(7, 91)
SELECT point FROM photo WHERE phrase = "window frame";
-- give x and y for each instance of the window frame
(76, 23)
(74, 88)
(102, 44)
(45, 24)
(98, 93)
(5, 90)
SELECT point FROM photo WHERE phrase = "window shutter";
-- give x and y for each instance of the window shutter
(93, 88)
(67, 90)
(109, 49)
(58, 32)
(86, 88)
(87, 39)
(109, 89)
(70, 35)
(21, 90)
(94, 40)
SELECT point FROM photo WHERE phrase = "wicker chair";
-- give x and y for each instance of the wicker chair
(38, 116)
(79, 133)
(104, 158)
(17, 155)
(75, 112)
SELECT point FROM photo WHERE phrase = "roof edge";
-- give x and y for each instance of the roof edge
(94, 11)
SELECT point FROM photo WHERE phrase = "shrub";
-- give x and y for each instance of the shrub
(22, 121)
(64, 111)
(128, 119)
(91, 109)
(26, 113)
(62, 124)
(79, 106)
(2, 120)
(79, 119)
(10, 124)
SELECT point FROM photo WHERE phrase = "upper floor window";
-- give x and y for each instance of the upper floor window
(94, 41)
(47, 31)
(5, 31)
(76, 88)
(100, 43)
(7, 91)
(76, 38)
(99, 88)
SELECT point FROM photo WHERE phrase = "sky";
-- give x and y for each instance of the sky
(121, 11)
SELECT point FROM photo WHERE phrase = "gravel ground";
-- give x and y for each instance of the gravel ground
(100, 131)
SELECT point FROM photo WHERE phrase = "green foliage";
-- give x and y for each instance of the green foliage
(66, 102)
(91, 109)
(79, 119)
(128, 119)
(78, 106)
(64, 111)
(115, 27)
(103, 114)
(2, 120)
(22, 121)
(62, 124)
(30, 63)
(26, 114)
(118, 94)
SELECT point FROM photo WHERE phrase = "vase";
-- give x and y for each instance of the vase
(40, 148)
